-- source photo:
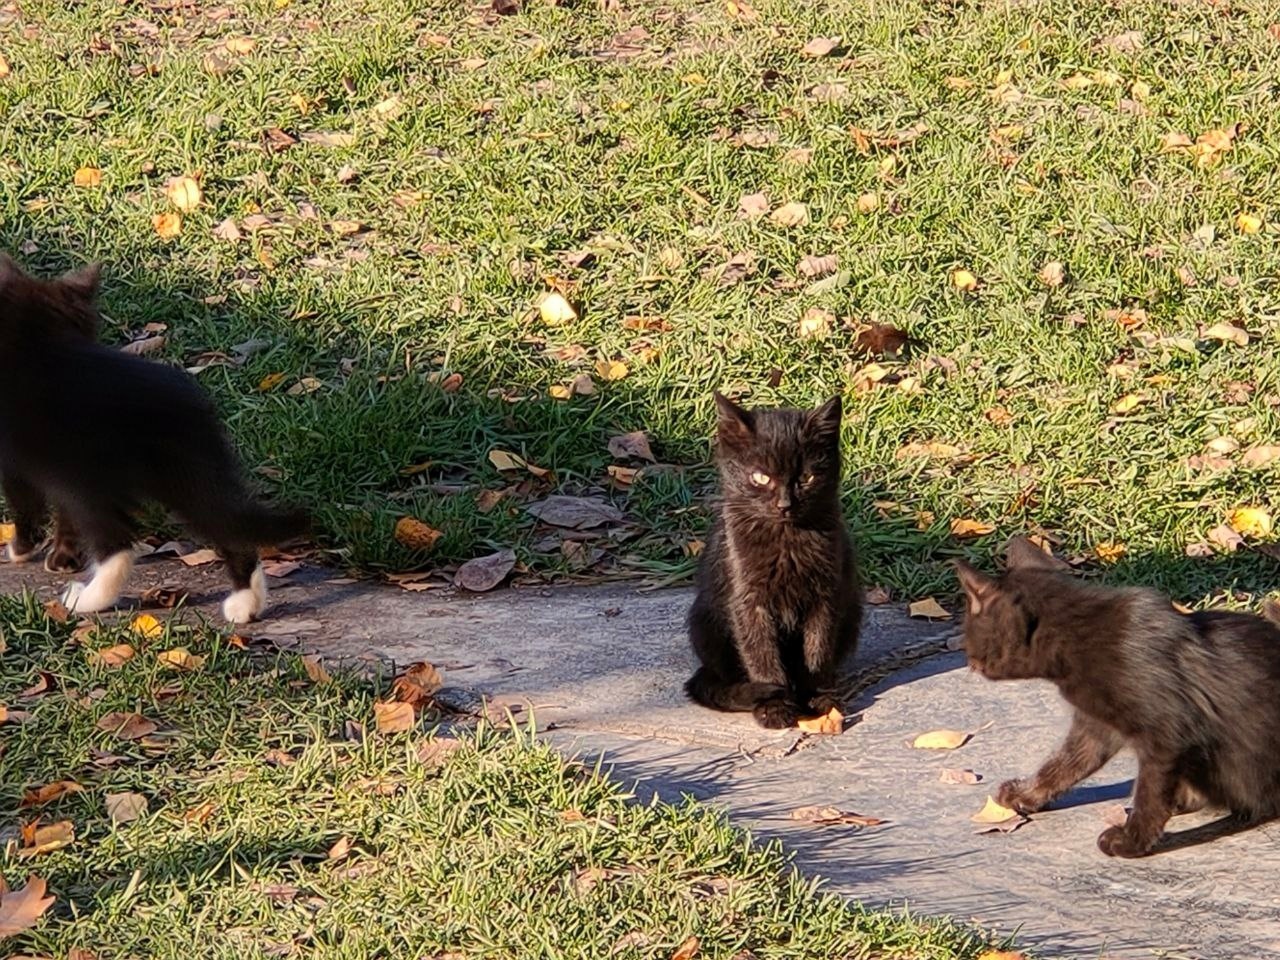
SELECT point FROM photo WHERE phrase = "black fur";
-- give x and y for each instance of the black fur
(98, 433)
(1196, 696)
(778, 605)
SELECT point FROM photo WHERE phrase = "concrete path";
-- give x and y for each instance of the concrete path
(601, 669)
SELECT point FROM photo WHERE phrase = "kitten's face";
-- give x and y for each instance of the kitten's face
(68, 304)
(780, 465)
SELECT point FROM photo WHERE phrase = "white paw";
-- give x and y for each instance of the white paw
(243, 606)
(73, 598)
(18, 557)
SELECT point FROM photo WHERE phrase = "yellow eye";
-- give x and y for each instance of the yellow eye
(808, 478)
(760, 479)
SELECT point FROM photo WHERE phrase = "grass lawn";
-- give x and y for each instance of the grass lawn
(389, 188)
(274, 829)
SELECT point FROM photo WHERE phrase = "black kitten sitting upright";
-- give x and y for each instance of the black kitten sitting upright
(778, 603)
(97, 433)
(1197, 696)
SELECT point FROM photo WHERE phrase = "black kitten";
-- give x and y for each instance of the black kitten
(778, 603)
(98, 433)
(1197, 696)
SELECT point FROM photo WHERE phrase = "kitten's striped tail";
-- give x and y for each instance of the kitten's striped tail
(732, 696)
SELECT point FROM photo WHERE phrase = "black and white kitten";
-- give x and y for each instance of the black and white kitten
(97, 433)
(778, 603)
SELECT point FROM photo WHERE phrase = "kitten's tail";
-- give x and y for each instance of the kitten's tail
(713, 691)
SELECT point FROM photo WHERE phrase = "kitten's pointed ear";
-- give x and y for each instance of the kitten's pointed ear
(84, 281)
(737, 425)
(824, 421)
(979, 589)
(1022, 554)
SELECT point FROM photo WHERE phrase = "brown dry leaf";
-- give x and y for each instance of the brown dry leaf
(927, 609)
(112, 657)
(434, 752)
(820, 46)
(184, 193)
(198, 558)
(881, 339)
(240, 46)
(790, 215)
(826, 816)
(814, 266)
(687, 950)
(56, 611)
(815, 323)
(964, 280)
(877, 596)
(393, 716)
(1260, 456)
(147, 626)
(38, 839)
(1129, 317)
(127, 726)
(39, 796)
(416, 684)
(941, 740)
(315, 670)
(1250, 521)
(416, 535)
(180, 658)
(20, 909)
(830, 723)
(125, 807)
(623, 476)
(340, 849)
(1110, 552)
(964, 528)
(505, 460)
(87, 177)
(5, 70)
(1226, 538)
(485, 573)
(611, 370)
(993, 812)
(1228, 333)
(167, 225)
(554, 309)
(962, 777)
(752, 206)
(1052, 274)
(634, 444)
(144, 346)
(45, 682)
(452, 383)
(576, 513)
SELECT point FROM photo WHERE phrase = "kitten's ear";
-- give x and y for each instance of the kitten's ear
(824, 421)
(9, 268)
(1022, 554)
(83, 282)
(737, 425)
(979, 589)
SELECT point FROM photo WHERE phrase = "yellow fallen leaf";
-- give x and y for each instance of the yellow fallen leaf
(831, 722)
(940, 740)
(611, 369)
(315, 670)
(147, 626)
(1127, 403)
(393, 717)
(180, 658)
(1002, 955)
(790, 215)
(506, 461)
(1140, 90)
(240, 46)
(964, 528)
(558, 391)
(20, 909)
(1229, 333)
(5, 70)
(942, 451)
(555, 309)
(993, 812)
(184, 193)
(7, 532)
(1249, 223)
(1052, 274)
(868, 203)
(167, 225)
(113, 657)
(416, 535)
(1110, 552)
(816, 322)
(87, 177)
(270, 382)
(927, 609)
(964, 280)
(1250, 521)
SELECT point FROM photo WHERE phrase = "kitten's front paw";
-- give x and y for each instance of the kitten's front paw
(1118, 842)
(62, 560)
(823, 703)
(775, 715)
(71, 595)
(1018, 795)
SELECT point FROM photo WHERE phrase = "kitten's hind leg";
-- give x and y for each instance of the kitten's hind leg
(107, 535)
(1089, 744)
(248, 599)
(64, 555)
(27, 505)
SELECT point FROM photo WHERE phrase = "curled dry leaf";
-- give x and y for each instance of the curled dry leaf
(416, 684)
(315, 670)
(941, 740)
(687, 950)
(877, 596)
(820, 47)
(20, 909)
(340, 849)
(1052, 274)
(39, 796)
(881, 339)
(830, 723)
(87, 177)
(127, 726)
(184, 193)
(963, 777)
(180, 658)
(1110, 552)
(1224, 537)
(816, 322)
(790, 215)
(1227, 333)
(964, 280)
(56, 611)
(416, 535)
(825, 816)
(927, 609)
(814, 266)
(393, 716)
(38, 839)
(1260, 456)
(966, 529)
(198, 558)
(125, 807)
(554, 309)
(752, 206)
(993, 812)
(167, 225)
(1250, 521)
(634, 444)
(485, 573)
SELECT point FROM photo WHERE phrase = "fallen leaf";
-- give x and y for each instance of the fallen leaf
(1052, 274)
(927, 609)
(340, 849)
(506, 461)
(993, 812)
(555, 309)
(270, 382)
(1110, 552)
(1250, 521)
(826, 816)
(184, 193)
(1129, 317)
(200, 814)
(198, 558)
(125, 807)
(611, 369)
(881, 339)
(393, 716)
(416, 684)
(5, 70)
(816, 322)
(1249, 223)
(180, 658)
(1260, 456)
(127, 726)
(815, 266)
(962, 777)
(790, 215)
(752, 206)
(315, 670)
(687, 950)
(576, 513)
(1114, 815)
(281, 568)
(87, 177)
(964, 528)
(20, 909)
(868, 202)
(452, 383)
(877, 596)
(240, 46)
(964, 280)
(1226, 538)
(1223, 445)
(39, 796)
(434, 751)
(1228, 333)
(56, 611)
(485, 573)
(45, 681)
(46, 839)
(820, 46)
(147, 626)
(144, 346)
(634, 444)
(831, 723)
(416, 535)
(167, 225)
(1128, 403)
(1002, 955)
(941, 740)
(734, 270)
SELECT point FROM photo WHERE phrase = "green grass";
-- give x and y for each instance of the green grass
(497, 849)
(526, 138)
